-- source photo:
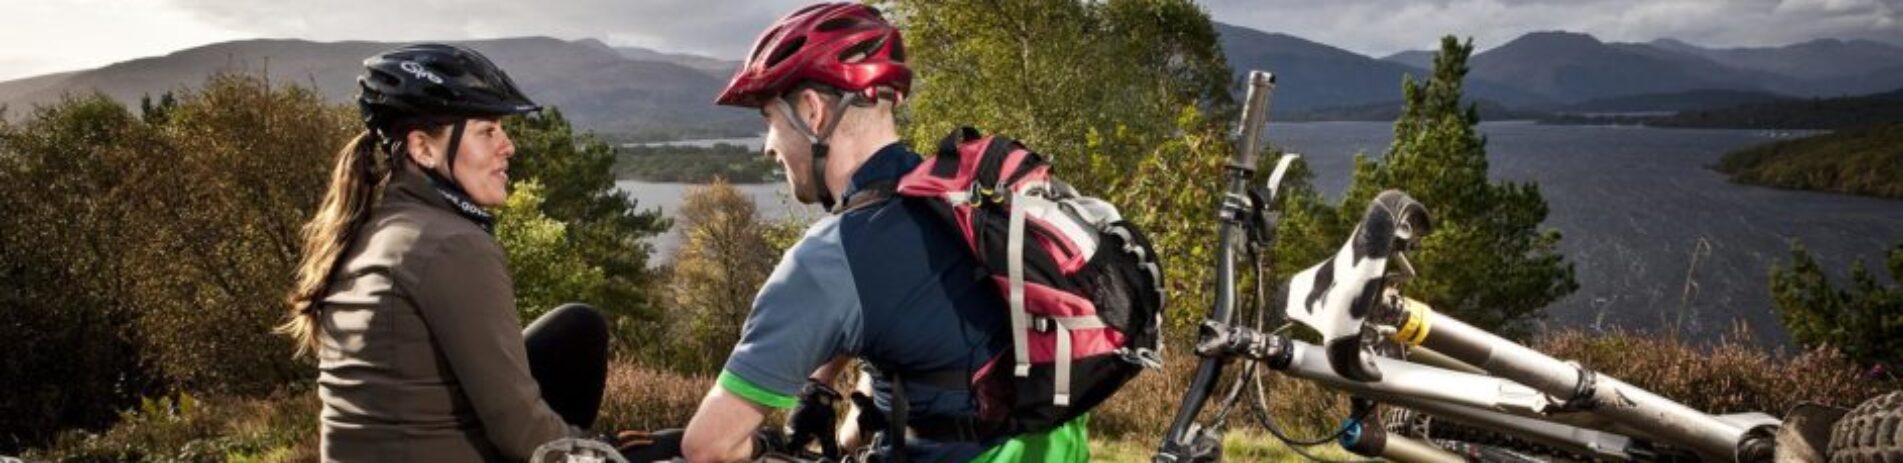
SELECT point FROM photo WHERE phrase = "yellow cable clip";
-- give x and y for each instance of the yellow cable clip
(1414, 330)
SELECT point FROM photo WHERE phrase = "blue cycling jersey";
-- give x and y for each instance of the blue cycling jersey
(889, 283)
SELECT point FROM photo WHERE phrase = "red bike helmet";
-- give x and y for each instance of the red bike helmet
(846, 46)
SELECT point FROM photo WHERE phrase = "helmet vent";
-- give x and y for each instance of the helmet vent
(838, 23)
(384, 78)
(786, 51)
(859, 51)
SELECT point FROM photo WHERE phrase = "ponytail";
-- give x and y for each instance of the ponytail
(355, 183)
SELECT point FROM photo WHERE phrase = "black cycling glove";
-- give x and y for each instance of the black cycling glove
(647, 446)
(815, 418)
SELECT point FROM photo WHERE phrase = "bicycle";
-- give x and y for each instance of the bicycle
(1501, 401)
(1384, 348)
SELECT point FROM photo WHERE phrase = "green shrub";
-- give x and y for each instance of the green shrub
(277, 427)
(1862, 160)
(544, 262)
(66, 186)
(149, 254)
(1862, 320)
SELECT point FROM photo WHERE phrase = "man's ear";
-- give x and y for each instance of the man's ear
(813, 110)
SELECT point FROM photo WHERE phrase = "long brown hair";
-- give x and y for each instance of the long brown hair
(355, 183)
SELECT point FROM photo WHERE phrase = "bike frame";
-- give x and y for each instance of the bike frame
(1471, 376)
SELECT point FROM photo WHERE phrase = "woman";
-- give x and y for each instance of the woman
(405, 296)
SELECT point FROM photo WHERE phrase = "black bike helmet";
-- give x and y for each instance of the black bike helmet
(435, 80)
(432, 84)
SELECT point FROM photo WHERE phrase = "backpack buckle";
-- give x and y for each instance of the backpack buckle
(1148, 358)
(1043, 324)
(976, 195)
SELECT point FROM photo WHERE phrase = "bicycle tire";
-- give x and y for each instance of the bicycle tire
(1870, 433)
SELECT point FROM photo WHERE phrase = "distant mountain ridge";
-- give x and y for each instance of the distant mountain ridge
(719, 68)
(1422, 59)
(594, 85)
(1313, 75)
(632, 90)
(1575, 67)
(1572, 67)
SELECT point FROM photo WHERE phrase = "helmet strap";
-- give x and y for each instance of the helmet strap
(449, 152)
(819, 139)
(453, 191)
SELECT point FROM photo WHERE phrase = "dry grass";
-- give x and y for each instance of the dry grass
(279, 427)
(1726, 377)
(1721, 378)
(639, 397)
(1146, 406)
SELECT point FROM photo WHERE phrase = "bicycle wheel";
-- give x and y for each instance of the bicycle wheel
(1870, 433)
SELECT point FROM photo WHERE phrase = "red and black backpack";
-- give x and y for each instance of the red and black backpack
(1083, 287)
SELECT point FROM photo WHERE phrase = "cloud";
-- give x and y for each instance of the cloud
(715, 28)
(1381, 27)
(46, 36)
(75, 34)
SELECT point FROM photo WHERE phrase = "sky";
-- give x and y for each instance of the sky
(46, 36)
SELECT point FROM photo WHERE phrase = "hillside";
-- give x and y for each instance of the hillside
(640, 94)
(1816, 59)
(1389, 111)
(1676, 101)
(1573, 68)
(719, 68)
(595, 85)
(1314, 75)
(1863, 161)
(1422, 59)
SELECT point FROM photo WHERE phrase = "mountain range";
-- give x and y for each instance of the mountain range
(630, 90)
(1575, 69)
(599, 87)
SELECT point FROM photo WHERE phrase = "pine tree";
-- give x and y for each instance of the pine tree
(1487, 262)
(1862, 320)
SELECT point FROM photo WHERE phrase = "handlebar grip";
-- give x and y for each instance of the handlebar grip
(1394, 222)
(1255, 112)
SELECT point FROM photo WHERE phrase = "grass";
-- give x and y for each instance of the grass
(279, 427)
(1725, 377)
(1247, 444)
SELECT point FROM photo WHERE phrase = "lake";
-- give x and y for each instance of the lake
(1656, 238)
(775, 201)
(752, 143)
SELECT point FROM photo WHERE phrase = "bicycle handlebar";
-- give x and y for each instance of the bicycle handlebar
(1255, 111)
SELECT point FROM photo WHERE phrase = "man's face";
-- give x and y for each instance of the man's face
(786, 145)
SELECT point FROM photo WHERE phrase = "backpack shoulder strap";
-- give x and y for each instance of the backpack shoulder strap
(869, 195)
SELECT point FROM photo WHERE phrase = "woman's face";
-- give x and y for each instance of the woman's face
(482, 160)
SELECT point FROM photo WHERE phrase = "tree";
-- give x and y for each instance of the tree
(152, 252)
(73, 359)
(1486, 262)
(725, 258)
(546, 264)
(239, 165)
(608, 230)
(1861, 320)
(1129, 98)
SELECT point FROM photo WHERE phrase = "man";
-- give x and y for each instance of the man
(880, 279)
